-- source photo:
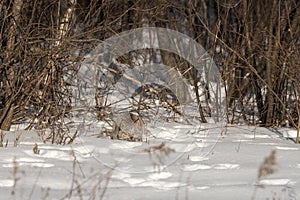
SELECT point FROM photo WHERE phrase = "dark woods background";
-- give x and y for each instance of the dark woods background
(254, 43)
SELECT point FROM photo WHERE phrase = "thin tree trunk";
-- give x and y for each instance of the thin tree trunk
(270, 68)
(297, 95)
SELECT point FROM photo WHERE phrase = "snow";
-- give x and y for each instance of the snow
(287, 148)
(289, 133)
(201, 166)
(6, 183)
(197, 158)
(195, 167)
(276, 182)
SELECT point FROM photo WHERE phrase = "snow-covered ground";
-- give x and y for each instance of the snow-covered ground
(177, 162)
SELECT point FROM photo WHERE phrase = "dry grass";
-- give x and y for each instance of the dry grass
(266, 168)
(1, 138)
(15, 174)
(36, 149)
(158, 153)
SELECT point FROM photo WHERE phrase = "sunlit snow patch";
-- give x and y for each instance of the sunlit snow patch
(287, 148)
(278, 182)
(167, 134)
(134, 181)
(289, 133)
(202, 188)
(162, 185)
(226, 166)
(161, 175)
(202, 144)
(125, 145)
(6, 183)
(195, 167)
(197, 158)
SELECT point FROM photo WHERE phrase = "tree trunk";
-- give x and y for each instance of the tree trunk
(270, 66)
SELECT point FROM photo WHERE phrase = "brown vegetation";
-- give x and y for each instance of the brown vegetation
(255, 45)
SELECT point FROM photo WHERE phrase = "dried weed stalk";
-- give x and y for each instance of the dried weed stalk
(158, 154)
(17, 139)
(36, 149)
(266, 168)
(1, 138)
(16, 178)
